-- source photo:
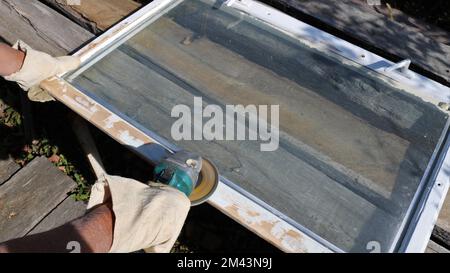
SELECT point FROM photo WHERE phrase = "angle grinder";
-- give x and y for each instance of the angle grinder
(193, 175)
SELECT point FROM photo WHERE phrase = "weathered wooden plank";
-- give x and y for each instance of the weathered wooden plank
(7, 168)
(359, 20)
(29, 196)
(441, 235)
(433, 247)
(95, 15)
(66, 10)
(39, 26)
(67, 211)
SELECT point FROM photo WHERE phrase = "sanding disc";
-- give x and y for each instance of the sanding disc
(207, 183)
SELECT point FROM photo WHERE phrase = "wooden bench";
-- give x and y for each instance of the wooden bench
(35, 198)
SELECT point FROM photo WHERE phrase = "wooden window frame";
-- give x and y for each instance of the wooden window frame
(237, 203)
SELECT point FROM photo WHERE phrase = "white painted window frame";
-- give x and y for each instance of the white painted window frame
(229, 198)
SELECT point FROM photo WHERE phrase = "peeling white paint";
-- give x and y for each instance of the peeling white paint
(281, 233)
(255, 218)
(111, 120)
(91, 106)
(76, 105)
(130, 140)
(288, 241)
(278, 230)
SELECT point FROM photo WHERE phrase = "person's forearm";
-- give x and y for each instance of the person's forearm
(11, 60)
(91, 233)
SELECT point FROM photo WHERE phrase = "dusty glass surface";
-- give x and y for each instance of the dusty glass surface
(352, 149)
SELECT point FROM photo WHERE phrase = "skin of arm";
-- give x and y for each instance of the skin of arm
(11, 60)
(93, 233)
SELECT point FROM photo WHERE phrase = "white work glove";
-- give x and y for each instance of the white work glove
(148, 217)
(37, 67)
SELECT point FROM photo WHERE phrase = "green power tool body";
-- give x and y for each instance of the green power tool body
(194, 176)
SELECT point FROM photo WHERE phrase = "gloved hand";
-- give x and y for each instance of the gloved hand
(37, 67)
(147, 217)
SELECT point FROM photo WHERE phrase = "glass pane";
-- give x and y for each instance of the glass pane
(352, 149)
